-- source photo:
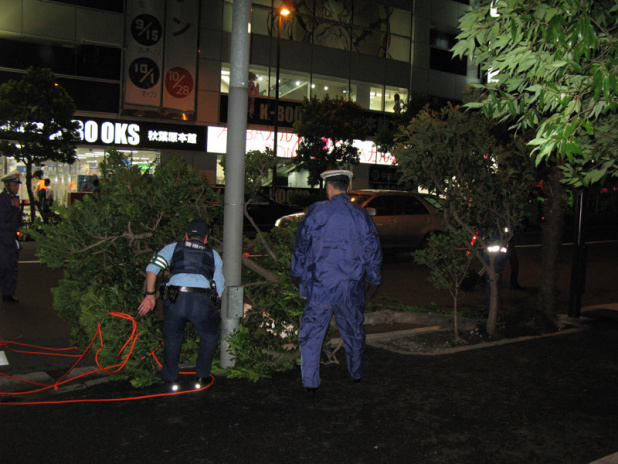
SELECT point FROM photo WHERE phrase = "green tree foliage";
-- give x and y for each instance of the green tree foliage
(448, 256)
(267, 339)
(557, 65)
(258, 168)
(36, 116)
(327, 129)
(103, 245)
(483, 181)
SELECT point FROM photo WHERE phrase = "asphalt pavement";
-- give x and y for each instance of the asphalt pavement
(542, 400)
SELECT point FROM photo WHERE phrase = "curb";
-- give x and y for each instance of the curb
(37, 380)
(611, 459)
(459, 349)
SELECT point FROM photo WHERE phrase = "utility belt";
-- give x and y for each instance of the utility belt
(171, 292)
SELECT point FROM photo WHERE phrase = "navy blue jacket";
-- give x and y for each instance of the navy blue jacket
(10, 219)
(336, 246)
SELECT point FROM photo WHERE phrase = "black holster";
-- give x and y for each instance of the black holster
(170, 292)
(214, 295)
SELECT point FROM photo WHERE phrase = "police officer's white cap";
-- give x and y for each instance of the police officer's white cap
(13, 176)
(336, 173)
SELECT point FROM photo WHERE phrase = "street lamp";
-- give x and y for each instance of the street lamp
(283, 11)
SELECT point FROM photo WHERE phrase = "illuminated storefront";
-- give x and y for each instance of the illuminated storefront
(144, 143)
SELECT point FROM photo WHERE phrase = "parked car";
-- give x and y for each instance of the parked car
(403, 219)
(265, 213)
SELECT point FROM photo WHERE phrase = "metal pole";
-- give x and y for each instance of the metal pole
(276, 123)
(232, 307)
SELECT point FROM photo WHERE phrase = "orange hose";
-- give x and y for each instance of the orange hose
(130, 343)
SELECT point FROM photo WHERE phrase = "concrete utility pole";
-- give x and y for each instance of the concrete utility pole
(232, 307)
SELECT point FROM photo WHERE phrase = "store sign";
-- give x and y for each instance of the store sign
(137, 134)
(287, 145)
(141, 134)
(290, 112)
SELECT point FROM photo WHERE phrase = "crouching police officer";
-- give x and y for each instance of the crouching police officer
(192, 294)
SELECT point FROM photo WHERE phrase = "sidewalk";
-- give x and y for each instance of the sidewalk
(543, 400)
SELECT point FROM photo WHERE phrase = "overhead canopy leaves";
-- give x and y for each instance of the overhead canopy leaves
(553, 66)
(327, 129)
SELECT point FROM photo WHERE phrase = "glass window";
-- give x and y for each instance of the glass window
(393, 96)
(292, 85)
(412, 205)
(385, 205)
(369, 96)
(334, 10)
(260, 81)
(262, 21)
(331, 86)
(441, 39)
(401, 22)
(398, 48)
(442, 60)
(227, 16)
(368, 42)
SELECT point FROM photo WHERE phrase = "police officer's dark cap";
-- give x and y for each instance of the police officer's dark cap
(197, 227)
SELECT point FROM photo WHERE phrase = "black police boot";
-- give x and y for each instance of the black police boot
(172, 385)
(201, 382)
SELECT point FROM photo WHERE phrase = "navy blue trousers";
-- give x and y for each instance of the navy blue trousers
(8, 269)
(312, 330)
(197, 309)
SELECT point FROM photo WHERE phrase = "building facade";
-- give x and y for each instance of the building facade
(151, 77)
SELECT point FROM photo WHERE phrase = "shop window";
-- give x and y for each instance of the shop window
(333, 87)
(292, 85)
(395, 99)
(369, 96)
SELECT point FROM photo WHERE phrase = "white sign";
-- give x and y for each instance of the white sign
(287, 145)
(181, 37)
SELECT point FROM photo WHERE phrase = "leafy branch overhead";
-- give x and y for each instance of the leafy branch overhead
(327, 129)
(36, 116)
(553, 67)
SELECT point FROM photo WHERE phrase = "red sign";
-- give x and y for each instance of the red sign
(178, 82)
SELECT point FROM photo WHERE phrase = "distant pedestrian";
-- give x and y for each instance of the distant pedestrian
(397, 105)
(336, 248)
(190, 293)
(10, 221)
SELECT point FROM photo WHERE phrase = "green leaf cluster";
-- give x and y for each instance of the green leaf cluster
(327, 130)
(103, 245)
(556, 63)
(258, 167)
(36, 120)
(483, 176)
(267, 339)
(448, 257)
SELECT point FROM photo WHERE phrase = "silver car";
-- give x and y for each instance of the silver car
(403, 219)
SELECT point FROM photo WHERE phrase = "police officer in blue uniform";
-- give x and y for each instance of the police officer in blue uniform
(335, 249)
(10, 221)
(190, 296)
